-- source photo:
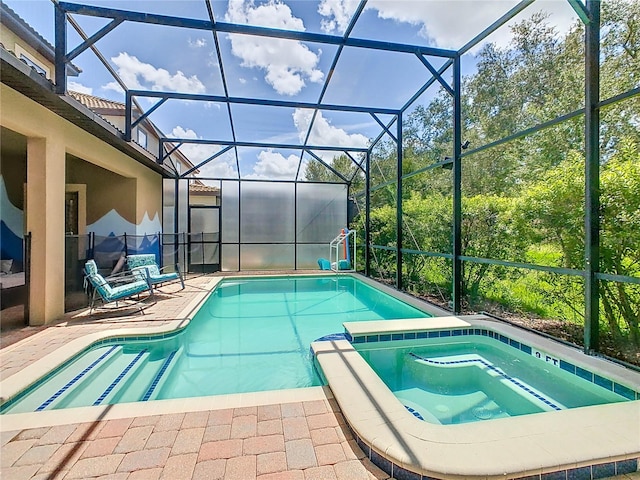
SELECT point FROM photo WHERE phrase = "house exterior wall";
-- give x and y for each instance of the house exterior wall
(13, 42)
(50, 139)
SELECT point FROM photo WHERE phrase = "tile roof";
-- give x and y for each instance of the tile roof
(202, 188)
(97, 103)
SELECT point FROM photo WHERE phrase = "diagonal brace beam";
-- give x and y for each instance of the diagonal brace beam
(211, 158)
(148, 112)
(328, 166)
(436, 74)
(385, 127)
(93, 39)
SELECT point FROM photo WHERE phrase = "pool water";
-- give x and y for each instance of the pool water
(249, 335)
(449, 381)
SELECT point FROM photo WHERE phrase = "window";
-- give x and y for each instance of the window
(27, 58)
(142, 138)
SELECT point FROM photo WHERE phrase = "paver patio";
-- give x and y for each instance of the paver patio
(275, 440)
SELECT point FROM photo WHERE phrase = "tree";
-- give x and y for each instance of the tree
(317, 172)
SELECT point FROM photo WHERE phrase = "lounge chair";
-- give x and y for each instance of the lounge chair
(114, 288)
(144, 266)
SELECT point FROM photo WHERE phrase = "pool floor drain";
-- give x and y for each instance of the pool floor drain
(482, 413)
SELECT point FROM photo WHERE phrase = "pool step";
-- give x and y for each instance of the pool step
(106, 376)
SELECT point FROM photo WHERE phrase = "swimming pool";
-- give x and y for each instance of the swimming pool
(249, 335)
(469, 378)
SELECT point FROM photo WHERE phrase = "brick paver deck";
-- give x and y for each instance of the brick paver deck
(299, 440)
(304, 440)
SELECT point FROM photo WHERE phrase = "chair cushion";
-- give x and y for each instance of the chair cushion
(141, 260)
(128, 289)
(163, 277)
(153, 270)
(140, 273)
(324, 264)
(100, 284)
(90, 267)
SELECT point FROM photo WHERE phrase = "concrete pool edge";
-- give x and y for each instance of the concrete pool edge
(50, 418)
(559, 441)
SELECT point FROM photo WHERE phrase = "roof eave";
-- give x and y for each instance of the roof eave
(14, 23)
(24, 79)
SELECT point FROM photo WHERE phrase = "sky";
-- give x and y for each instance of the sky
(168, 59)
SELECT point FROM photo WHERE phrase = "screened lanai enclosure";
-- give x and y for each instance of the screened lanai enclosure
(486, 153)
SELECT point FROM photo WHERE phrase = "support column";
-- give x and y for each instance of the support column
(367, 218)
(457, 187)
(45, 211)
(592, 177)
(399, 207)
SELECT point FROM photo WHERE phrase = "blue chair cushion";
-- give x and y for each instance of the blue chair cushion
(324, 264)
(128, 289)
(90, 267)
(142, 260)
(164, 277)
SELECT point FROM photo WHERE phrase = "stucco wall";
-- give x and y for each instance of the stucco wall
(50, 140)
(106, 190)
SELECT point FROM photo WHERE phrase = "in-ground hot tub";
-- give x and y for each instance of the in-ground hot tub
(460, 376)
(592, 441)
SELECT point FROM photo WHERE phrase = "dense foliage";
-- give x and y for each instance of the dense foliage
(523, 201)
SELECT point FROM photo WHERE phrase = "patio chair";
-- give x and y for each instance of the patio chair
(144, 266)
(114, 288)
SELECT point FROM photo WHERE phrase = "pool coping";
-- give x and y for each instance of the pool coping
(531, 445)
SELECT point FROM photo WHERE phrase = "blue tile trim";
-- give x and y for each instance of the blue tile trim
(75, 379)
(561, 475)
(400, 473)
(380, 461)
(603, 470)
(333, 336)
(517, 383)
(580, 473)
(603, 382)
(626, 466)
(569, 367)
(624, 391)
(117, 380)
(159, 375)
(415, 413)
(586, 374)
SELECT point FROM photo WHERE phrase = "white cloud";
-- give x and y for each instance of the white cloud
(198, 43)
(288, 64)
(448, 24)
(78, 87)
(274, 165)
(221, 167)
(138, 75)
(242, 80)
(337, 14)
(323, 133)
